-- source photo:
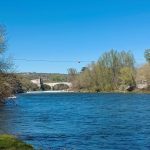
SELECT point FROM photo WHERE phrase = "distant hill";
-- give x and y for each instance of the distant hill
(46, 77)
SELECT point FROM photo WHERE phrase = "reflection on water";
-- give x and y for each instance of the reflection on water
(80, 121)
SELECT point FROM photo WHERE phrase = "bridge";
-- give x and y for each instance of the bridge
(59, 83)
(51, 84)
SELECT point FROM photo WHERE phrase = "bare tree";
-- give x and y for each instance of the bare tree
(5, 66)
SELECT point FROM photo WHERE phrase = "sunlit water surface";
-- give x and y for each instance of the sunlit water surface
(71, 121)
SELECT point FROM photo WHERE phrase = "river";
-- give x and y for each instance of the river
(77, 121)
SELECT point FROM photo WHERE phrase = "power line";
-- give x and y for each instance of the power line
(52, 61)
(64, 61)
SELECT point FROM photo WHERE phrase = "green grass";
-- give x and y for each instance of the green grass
(8, 142)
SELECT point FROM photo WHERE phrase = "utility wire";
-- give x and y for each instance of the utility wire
(47, 60)
(61, 61)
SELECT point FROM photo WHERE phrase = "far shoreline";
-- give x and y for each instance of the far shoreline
(111, 92)
(58, 91)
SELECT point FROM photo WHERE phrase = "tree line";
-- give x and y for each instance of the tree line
(114, 71)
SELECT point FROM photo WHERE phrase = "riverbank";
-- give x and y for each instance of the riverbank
(9, 142)
(86, 91)
(115, 91)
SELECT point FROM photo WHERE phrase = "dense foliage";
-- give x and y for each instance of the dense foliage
(113, 71)
(26, 84)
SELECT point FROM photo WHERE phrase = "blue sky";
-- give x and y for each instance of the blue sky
(74, 30)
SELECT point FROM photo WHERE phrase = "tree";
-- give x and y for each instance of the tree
(147, 55)
(72, 74)
(25, 84)
(127, 79)
(112, 70)
(7, 86)
(112, 63)
(73, 77)
(143, 74)
(5, 89)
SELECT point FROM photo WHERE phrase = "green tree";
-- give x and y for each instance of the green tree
(127, 78)
(112, 70)
(112, 63)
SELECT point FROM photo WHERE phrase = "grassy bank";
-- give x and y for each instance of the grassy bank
(8, 142)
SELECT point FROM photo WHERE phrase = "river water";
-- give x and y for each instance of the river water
(71, 121)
